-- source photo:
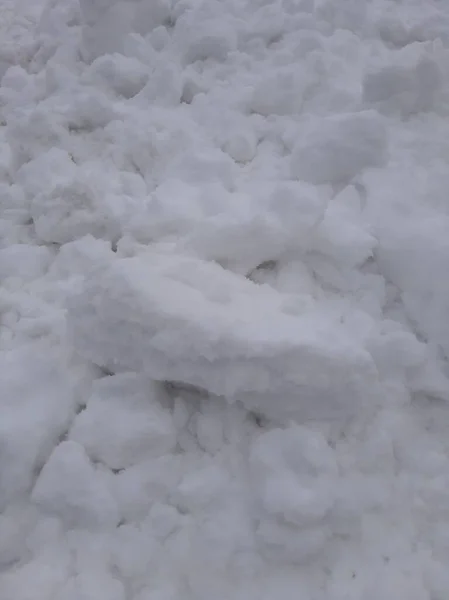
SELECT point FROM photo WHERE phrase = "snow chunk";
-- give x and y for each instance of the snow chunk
(71, 488)
(182, 319)
(241, 146)
(164, 87)
(125, 76)
(281, 93)
(294, 473)
(213, 40)
(404, 89)
(36, 405)
(24, 262)
(199, 489)
(337, 148)
(136, 426)
(40, 578)
(149, 15)
(93, 586)
(105, 24)
(414, 257)
(142, 486)
(46, 170)
(344, 238)
(85, 204)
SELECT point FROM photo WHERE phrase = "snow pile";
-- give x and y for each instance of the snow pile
(223, 310)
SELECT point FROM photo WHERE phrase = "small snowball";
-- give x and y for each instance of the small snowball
(337, 148)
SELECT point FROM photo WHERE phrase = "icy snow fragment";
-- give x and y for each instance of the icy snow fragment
(186, 320)
(335, 149)
(136, 427)
(71, 488)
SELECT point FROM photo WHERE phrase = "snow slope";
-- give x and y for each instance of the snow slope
(223, 300)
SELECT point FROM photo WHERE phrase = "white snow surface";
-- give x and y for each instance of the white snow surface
(224, 299)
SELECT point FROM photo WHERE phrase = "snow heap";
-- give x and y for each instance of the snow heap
(223, 302)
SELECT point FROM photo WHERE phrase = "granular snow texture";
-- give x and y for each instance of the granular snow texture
(224, 300)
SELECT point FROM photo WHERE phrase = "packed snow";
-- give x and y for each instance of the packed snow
(224, 299)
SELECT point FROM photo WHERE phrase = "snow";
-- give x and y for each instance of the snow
(190, 321)
(223, 299)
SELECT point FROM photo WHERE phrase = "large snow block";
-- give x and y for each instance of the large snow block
(190, 321)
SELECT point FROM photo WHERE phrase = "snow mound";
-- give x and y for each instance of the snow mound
(186, 320)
